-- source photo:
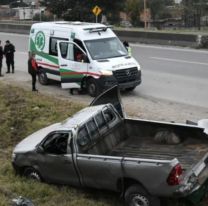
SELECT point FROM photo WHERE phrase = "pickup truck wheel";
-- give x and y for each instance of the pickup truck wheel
(42, 77)
(32, 174)
(136, 195)
(93, 88)
(130, 89)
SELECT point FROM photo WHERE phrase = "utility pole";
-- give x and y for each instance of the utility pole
(145, 14)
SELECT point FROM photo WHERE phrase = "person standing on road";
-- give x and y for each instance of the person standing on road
(33, 70)
(1, 57)
(128, 48)
(9, 50)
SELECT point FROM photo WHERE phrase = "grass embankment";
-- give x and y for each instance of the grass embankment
(22, 113)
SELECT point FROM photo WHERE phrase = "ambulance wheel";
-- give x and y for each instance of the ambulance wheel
(93, 88)
(42, 77)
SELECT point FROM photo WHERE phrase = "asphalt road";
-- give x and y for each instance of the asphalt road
(169, 73)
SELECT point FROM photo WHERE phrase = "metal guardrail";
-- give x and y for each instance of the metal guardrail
(17, 22)
(131, 35)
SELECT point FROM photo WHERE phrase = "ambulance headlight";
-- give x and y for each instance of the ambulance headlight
(138, 67)
(106, 72)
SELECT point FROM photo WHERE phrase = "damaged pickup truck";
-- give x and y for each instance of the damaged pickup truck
(99, 147)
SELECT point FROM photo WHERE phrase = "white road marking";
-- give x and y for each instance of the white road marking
(179, 61)
(171, 48)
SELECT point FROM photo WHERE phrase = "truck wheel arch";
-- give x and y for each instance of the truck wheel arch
(125, 182)
(138, 195)
(32, 173)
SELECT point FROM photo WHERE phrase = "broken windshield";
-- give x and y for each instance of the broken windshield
(105, 48)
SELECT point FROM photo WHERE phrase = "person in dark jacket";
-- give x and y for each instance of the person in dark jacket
(33, 70)
(1, 57)
(9, 50)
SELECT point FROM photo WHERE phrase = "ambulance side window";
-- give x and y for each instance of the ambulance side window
(67, 51)
(79, 43)
(71, 52)
(53, 45)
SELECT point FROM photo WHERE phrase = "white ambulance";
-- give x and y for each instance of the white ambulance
(83, 55)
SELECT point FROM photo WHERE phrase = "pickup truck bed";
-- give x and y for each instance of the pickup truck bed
(188, 152)
(136, 139)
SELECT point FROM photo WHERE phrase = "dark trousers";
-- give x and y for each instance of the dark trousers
(10, 62)
(33, 81)
(0, 66)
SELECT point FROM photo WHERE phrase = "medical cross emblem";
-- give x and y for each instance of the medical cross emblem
(40, 40)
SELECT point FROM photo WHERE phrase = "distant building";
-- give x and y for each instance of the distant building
(35, 3)
(6, 12)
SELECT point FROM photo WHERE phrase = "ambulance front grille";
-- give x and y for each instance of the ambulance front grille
(126, 75)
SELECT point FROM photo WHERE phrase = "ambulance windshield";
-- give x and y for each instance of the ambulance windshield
(105, 48)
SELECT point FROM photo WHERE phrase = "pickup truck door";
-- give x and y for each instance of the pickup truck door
(95, 170)
(55, 161)
(72, 64)
(99, 171)
(112, 96)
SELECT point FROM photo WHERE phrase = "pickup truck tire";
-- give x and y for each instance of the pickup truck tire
(130, 89)
(31, 173)
(136, 195)
(42, 77)
(93, 88)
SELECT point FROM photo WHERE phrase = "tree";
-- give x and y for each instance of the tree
(81, 10)
(193, 10)
(13, 3)
(57, 7)
(158, 8)
(133, 10)
(4, 2)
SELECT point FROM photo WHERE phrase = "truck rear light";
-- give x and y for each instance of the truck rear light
(174, 176)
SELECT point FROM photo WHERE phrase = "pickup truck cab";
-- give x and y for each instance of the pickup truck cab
(100, 147)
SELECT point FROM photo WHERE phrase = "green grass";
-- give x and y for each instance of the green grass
(22, 113)
(44, 194)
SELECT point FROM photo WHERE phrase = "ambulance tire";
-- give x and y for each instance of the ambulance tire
(93, 88)
(42, 77)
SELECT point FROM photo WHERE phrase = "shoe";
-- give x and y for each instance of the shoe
(7, 72)
(13, 72)
(34, 90)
